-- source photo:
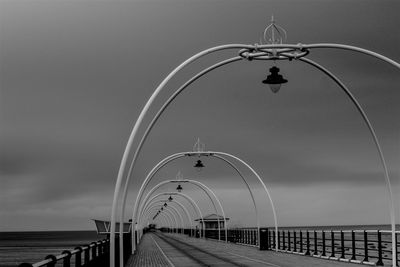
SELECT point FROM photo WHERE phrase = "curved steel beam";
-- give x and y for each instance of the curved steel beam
(166, 210)
(189, 218)
(165, 81)
(133, 134)
(156, 203)
(176, 156)
(191, 201)
(169, 215)
(248, 188)
(372, 132)
(198, 184)
(220, 155)
(182, 207)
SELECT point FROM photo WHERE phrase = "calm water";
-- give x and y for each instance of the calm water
(31, 247)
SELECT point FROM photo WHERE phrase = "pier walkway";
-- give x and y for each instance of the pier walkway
(160, 249)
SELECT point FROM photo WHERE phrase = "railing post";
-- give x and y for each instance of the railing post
(379, 262)
(342, 244)
(288, 240)
(301, 241)
(308, 243)
(353, 246)
(365, 246)
(279, 240)
(323, 244)
(53, 260)
(67, 260)
(332, 244)
(315, 243)
(94, 252)
(397, 249)
(86, 255)
(78, 257)
(283, 240)
(294, 241)
(274, 238)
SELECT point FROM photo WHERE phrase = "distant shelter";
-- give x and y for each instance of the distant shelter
(210, 222)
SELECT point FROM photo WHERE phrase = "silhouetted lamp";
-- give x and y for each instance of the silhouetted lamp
(179, 188)
(274, 80)
(165, 204)
(170, 199)
(199, 165)
(162, 208)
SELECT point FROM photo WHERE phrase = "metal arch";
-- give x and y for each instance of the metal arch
(200, 185)
(164, 220)
(165, 208)
(182, 154)
(203, 188)
(192, 202)
(166, 212)
(150, 126)
(248, 188)
(151, 201)
(169, 216)
(135, 129)
(168, 219)
(264, 186)
(183, 208)
(181, 66)
(372, 132)
(156, 117)
(154, 120)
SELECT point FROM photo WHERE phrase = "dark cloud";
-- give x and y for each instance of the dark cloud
(75, 75)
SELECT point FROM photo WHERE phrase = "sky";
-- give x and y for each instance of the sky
(74, 76)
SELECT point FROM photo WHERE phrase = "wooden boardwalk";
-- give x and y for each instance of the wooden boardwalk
(182, 251)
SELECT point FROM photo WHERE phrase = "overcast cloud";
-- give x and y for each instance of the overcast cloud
(74, 76)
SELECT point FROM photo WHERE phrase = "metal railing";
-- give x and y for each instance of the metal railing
(372, 247)
(359, 246)
(95, 254)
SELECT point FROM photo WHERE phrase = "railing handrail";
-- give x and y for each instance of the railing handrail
(63, 255)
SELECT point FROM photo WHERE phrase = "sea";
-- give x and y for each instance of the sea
(31, 247)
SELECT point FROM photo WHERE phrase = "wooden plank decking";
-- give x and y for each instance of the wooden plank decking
(182, 251)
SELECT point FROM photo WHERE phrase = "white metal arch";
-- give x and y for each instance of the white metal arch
(170, 217)
(191, 201)
(188, 217)
(182, 207)
(135, 129)
(221, 156)
(155, 204)
(202, 186)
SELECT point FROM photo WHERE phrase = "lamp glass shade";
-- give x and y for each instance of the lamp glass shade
(275, 87)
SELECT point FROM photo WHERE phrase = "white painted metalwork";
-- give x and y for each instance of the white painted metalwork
(264, 52)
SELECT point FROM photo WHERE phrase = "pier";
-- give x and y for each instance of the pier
(166, 249)
(186, 247)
